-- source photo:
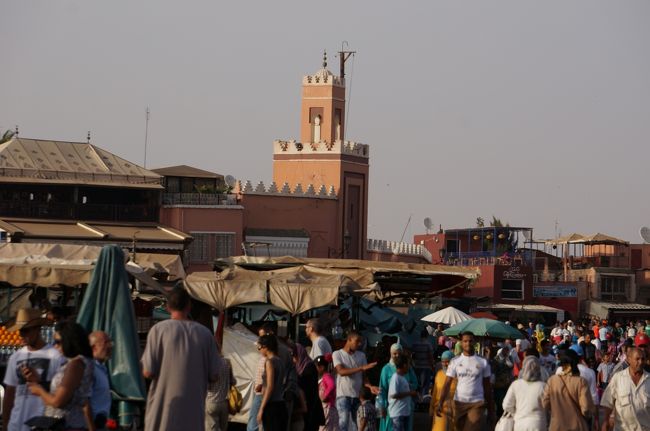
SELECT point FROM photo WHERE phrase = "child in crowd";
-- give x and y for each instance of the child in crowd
(327, 393)
(605, 369)
(366, 415)
(399, 396)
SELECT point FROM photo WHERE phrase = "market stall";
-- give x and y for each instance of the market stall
(363, 290)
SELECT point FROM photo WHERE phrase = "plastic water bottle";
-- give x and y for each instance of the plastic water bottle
(380, 406)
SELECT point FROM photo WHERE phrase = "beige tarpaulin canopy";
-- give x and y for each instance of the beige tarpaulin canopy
(567, 239)
(295, 289)
(46, 265)
(298, 285)
(166, 263)
(302, 288)
(228, 288)
(49, 265)
(576, 238)
(601, 238)
(360, 271)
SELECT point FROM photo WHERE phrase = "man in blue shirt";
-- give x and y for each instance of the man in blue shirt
(100, 400)
(400, 396)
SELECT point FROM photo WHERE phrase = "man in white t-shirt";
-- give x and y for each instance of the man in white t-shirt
(37, 362)
(319, 344)
(473, 390)
(556, 333)
(546, 358)
(350, 364)
(631, 331)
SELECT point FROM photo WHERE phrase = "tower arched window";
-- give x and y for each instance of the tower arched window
(316, 129)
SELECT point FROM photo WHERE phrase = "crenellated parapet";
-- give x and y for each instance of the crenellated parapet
(350, 148)
(323, 77)
(310, 191)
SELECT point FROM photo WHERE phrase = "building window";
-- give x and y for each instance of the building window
(512, 289)
(337, 124)
(187, 185)
(173, 185)
(452, 246)
(614, 288)
(208, 246)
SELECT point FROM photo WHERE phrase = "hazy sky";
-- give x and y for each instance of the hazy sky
(531, 111)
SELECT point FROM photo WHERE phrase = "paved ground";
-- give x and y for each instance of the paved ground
(422, 421)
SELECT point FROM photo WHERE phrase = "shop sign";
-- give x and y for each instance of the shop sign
(513, 273)
(562, 291)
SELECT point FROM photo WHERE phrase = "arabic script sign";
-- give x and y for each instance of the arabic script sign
(561, 291)
(513, 273)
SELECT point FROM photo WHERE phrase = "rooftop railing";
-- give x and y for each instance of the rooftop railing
(399, 248)
(479, 258)
(87, 211)
(208, 199)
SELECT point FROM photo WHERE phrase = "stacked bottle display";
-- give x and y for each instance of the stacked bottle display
(47, 334)
(9, 343)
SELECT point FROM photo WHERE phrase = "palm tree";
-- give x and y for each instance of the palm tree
(511, 243)
(6, 136)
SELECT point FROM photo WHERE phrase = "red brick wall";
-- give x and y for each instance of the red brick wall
(316, 216)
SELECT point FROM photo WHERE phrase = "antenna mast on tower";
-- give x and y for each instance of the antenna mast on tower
(343, 57)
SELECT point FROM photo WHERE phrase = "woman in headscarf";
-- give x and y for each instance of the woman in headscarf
(524, 397)
(567, 396)
(308, 384)
(444, 422)
(385, 423)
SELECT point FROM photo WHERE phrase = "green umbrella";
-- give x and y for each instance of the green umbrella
(484, 328)
(107, 306)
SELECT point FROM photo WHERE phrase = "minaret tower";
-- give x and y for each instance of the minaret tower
(324, 158)
(323, 107)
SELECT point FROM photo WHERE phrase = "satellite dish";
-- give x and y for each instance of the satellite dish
(230, 181)
(645, 234)
(428, 223)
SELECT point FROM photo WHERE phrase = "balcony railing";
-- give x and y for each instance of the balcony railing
(88, 211)
(584, 262)
(478, 258)
(398, 248)
(199, 199)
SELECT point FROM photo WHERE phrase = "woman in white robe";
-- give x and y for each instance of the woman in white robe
(524, 397)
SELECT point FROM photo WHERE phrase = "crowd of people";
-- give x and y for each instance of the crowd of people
(585, 376)
(63, 385)
(591, 375)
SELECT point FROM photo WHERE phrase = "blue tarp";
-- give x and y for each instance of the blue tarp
(378, 320)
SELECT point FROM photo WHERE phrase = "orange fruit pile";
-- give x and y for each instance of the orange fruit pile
(9, 338)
